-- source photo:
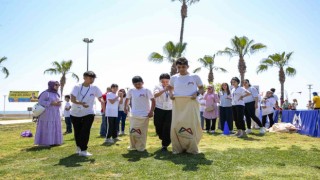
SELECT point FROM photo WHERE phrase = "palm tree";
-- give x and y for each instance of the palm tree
(242, 46)
(184, 14)
(4, 70)
(208, 63)
(280, 61)
(172, 52)
(63, 69)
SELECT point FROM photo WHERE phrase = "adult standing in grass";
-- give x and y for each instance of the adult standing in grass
(238, 93)
(316, 101)
(163, 111)
(211, 111)
(48, 130)
(82, 112)
(225, 107)
(186, 131)
(251, 104)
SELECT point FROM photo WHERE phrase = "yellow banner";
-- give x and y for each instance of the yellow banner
(23, 96)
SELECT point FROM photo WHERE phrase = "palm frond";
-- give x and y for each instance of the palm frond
(66, 65)
(156, 57)
(257, 47)
(51, 71)
(268, 62)
(169, 49)
(290, 71)
(262, 68)
(228, 51)
(219, 69)
(5, 71)
(3, 59)
(197, 70)
(57, 66)
(73, 75)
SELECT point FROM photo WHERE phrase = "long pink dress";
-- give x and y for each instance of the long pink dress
(49, 130)
(211, 100)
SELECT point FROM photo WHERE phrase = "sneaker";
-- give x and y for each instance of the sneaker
(212, 132)
(78, 150)
(122, 133)
(242, 134)
(131, 149)
(109, 140)
(248, 131)
(238, 133)
(164, 149)
(262, 130)
(117, 139)
(85, 153)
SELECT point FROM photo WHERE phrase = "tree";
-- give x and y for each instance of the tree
(63, 69)
(242, 46)
(208, 63)
(171, 53)
(4, 70)
(184, 14)
(280, 61)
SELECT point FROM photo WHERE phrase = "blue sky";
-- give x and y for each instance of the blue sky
(35, 33)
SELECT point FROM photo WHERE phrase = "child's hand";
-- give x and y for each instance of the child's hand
(150, 114)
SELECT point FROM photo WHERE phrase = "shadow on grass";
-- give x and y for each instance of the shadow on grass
(134, 156)
(74, 160)
(37, 148)
(191, 162)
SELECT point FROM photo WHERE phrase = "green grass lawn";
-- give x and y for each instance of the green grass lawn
(273, 156)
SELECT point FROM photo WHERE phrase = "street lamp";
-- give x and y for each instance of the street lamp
(87, 40)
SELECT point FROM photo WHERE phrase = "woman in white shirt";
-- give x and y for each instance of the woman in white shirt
(251, 104)
(225, 106)
(238, 93)
(267, 105)
(122, 116)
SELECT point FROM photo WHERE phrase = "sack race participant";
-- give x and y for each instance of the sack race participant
(186, 130)
(140, 113)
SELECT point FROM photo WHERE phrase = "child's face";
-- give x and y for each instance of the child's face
(88, 80)
(138, 85)
(114, 89)
(164, 82)
(67, 99)
(182, 69)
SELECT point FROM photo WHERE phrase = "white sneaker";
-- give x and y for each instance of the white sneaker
(78, 150)
(212, 132)
(262, 130)
(85, 153)
(248, 131)
(109, 140)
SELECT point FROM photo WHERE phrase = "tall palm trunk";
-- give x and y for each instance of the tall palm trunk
(62, 84)
(242, 68)
(173, 69)
(282, 79)
(210, 76)
(184, 11)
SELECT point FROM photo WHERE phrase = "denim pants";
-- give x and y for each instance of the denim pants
(68, 124)
(121, 118)
(103, 130)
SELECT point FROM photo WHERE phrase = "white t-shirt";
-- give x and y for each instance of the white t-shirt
(275, 98)
(202, 102)
(140, 101)
(236, 93)
(121, 106)
(65, 112)
(112, 109)
(269, 103)
(87, 95)
(163, 101)
(185, 85)
(254, 94)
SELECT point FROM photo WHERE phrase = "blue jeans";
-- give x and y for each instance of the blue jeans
(68, 124)
(103, 126)
(121, 117)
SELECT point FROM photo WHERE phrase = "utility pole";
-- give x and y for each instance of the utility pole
(310, 87)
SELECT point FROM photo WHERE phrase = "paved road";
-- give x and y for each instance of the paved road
(15, 121)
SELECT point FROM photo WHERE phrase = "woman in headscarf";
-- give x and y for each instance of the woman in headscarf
(49, 131)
